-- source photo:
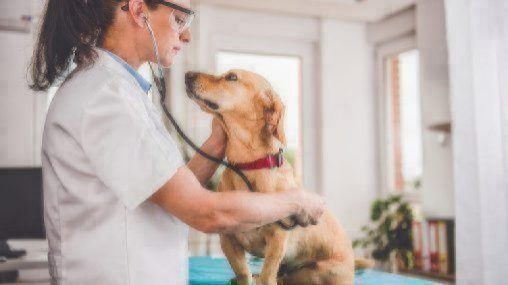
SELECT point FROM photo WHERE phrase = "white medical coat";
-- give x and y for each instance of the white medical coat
(105, 152)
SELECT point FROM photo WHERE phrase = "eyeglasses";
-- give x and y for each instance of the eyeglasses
(181, 17)
(177, 7)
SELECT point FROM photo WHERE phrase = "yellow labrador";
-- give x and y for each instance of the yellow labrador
(252, 116)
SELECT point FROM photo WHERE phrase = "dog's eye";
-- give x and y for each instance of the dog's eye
(231, 77)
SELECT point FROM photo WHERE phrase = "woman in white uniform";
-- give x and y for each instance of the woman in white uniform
(118, 196)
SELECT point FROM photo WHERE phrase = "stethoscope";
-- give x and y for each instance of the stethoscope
(161, 88)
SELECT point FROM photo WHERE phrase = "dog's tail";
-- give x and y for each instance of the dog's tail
(364, 263)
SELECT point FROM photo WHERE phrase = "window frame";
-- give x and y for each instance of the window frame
(299, 158)
(383, 51)
(309, 91)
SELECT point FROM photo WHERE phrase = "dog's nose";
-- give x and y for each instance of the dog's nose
(190, 77)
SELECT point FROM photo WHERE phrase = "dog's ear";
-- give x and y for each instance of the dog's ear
(274, 117)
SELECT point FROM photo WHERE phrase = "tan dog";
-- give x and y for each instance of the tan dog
(252, 116)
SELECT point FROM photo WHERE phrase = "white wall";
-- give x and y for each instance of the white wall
(394, 27)
(17, 131)
(437, 181)
(21, 110)
(348, 122)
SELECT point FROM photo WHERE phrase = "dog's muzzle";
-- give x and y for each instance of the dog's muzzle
(190, 82)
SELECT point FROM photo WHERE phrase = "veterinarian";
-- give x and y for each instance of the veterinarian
(118, 196)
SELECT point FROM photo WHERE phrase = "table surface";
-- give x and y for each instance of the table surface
(216, 271)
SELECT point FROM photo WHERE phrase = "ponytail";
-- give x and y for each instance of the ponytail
(70, 30)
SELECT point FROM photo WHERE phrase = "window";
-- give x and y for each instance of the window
(403, 122)
(284, 73)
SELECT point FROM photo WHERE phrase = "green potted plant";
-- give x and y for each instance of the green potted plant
(389, 237)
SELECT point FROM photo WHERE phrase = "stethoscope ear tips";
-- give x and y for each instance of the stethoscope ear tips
(126, 9)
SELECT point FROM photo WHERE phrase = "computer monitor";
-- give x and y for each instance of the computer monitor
(21, 207)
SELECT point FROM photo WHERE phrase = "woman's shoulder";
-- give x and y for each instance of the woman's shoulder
(95, 82)
(83, 87)
(88, 80)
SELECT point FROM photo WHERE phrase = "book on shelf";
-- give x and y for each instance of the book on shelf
(434, 246)
(442, 247)
(425, 246)
(417, 244)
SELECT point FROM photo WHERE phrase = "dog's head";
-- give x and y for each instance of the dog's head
(241, 99)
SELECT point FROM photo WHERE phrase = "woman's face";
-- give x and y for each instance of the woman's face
(166, 23)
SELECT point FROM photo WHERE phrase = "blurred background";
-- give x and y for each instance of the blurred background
(369, 88)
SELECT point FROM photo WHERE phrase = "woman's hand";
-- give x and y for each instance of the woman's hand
(218, 138)
(215, 146)
(311, 207)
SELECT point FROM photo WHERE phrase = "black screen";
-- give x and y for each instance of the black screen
(21, 206)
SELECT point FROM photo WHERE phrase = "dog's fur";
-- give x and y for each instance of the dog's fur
(252, 116)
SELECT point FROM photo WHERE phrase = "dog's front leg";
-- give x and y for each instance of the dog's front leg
(236, 256)
(276, 244)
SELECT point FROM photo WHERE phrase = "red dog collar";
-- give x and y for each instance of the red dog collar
(271, 161)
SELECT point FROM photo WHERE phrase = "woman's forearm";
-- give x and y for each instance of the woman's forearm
(243, 211)
(211, 212)
(203, 168)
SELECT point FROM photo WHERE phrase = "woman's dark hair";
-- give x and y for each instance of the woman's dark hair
(70, 30)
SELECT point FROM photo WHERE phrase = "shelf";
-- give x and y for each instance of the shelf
(428, 274)
(436, 218)
(441, 127)
(21, 25)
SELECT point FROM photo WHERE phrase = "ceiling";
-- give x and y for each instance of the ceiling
(355, 10)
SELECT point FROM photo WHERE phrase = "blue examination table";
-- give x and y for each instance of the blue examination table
(216, 271)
